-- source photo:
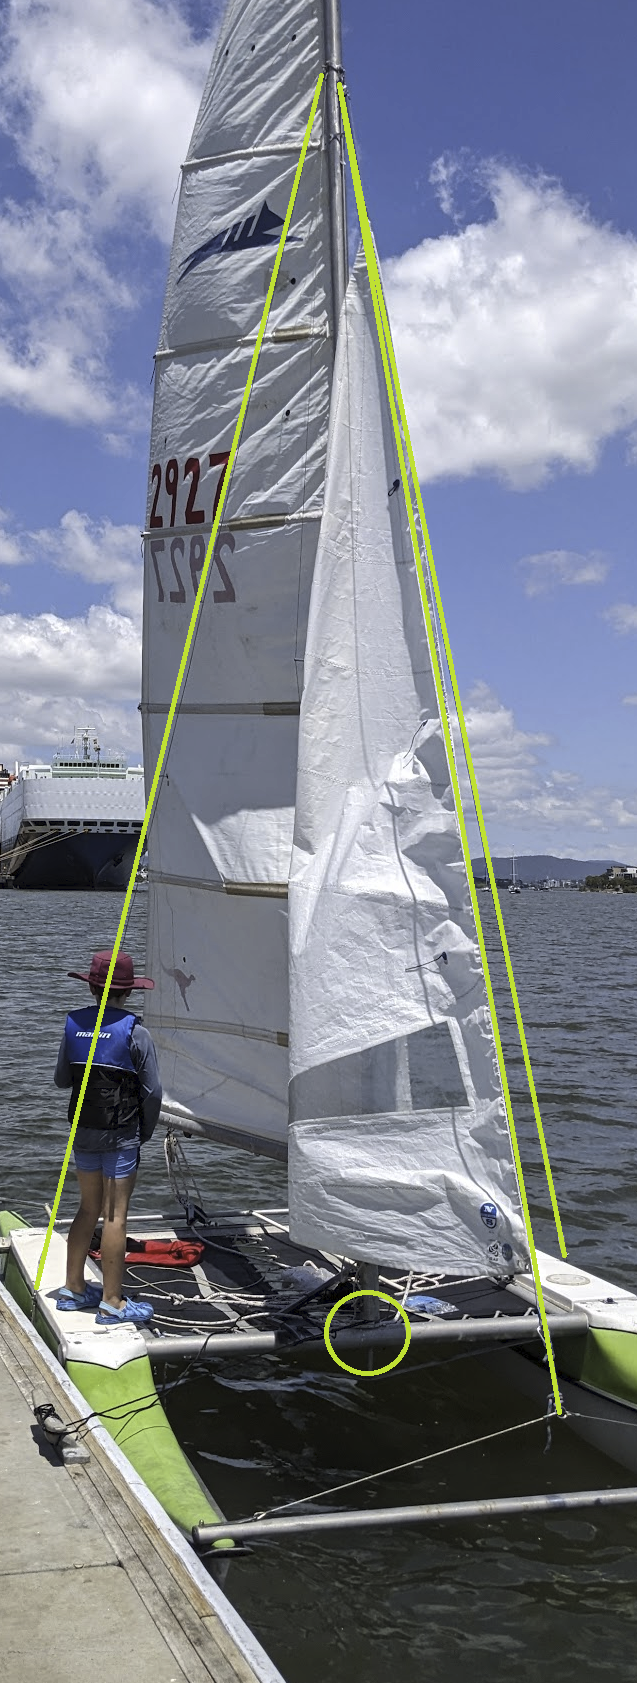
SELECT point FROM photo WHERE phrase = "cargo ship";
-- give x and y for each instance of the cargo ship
(73, 822)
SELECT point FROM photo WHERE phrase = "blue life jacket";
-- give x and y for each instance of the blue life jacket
(110, 1108)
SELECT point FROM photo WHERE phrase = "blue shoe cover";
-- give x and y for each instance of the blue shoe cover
(88, 1299)
(137, 1313)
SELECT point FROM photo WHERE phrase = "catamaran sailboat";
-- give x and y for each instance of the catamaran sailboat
(313, 929)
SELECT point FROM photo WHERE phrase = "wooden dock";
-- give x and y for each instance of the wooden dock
(95, 1580)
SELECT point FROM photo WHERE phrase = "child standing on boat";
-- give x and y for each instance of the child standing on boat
(119, 1113)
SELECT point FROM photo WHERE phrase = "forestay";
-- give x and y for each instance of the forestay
(399, 1146)
(220, 841)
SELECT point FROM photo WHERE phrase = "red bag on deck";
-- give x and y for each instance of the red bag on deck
(167, 1253)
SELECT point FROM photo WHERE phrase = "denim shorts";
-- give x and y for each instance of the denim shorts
(114, 1165)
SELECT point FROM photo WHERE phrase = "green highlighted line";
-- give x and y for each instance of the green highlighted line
(395, 399)
(182, 669)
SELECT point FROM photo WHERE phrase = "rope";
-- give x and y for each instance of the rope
(136, 1405)
(403, 1466)
(604, 1419)
(179, 1173)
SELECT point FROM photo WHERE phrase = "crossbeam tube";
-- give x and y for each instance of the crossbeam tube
(507, 1329)
(361, 1519)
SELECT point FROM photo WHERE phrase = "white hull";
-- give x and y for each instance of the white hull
(602, 1400)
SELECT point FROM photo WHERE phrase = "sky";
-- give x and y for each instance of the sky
(497, 146)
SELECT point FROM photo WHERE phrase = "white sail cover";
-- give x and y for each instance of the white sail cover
(399, 1149)
(220, 842)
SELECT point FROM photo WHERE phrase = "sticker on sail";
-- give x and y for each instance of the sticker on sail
(507, 1252)
(489, 1214)
(264, 228)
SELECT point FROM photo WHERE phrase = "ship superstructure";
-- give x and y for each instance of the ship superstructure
(72, 822)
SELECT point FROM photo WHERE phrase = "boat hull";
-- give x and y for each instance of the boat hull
(604, 1422)
(110, 1368)
(97, 861)
(597, 1372)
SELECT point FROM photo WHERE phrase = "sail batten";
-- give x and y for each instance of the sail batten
(273, 709)
(243, 154)
(277, 889)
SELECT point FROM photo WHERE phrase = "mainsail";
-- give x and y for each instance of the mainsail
(399, 1149)
(220, 842)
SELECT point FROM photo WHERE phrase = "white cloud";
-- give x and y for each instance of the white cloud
(95, 550)
(101, 100)
(561, 566)
(62, 301)
(35, 726)
(516, 336)
(506, 758)
(99, 552)
(51, 381)
(96, 655)
(98, 101)
(80, 671)
(527, 803)
(622, 616)
(629, 700)
(11, 554)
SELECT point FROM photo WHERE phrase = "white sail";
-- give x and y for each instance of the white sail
(220, 841)
(399, 1149)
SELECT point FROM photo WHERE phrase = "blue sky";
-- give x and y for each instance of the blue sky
(497, 144)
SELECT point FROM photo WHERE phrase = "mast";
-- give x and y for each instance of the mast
(335, 161)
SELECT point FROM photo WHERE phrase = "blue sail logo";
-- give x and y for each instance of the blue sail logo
(262, 229)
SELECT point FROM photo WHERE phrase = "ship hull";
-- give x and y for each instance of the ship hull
(78, 831)
(97, 861)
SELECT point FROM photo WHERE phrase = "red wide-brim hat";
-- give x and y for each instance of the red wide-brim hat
(123, 976)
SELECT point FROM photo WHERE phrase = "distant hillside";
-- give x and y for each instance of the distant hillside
(535, 867)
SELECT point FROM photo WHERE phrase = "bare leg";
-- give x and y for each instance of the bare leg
(82, 1228)
(117, 1195)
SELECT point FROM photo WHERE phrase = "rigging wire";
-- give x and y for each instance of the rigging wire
(403, 1466)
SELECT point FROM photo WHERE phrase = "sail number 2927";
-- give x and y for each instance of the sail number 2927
(173, 565)
(172, 480)
(171, 562)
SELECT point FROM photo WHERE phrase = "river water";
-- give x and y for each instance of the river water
(552, 1599)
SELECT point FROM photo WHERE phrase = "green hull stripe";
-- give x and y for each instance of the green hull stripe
(606, 1360)
(140, 1429)
(8, 1221)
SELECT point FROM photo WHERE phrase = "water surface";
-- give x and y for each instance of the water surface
(532, 1599)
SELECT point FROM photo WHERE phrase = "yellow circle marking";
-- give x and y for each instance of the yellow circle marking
(367, 1372)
